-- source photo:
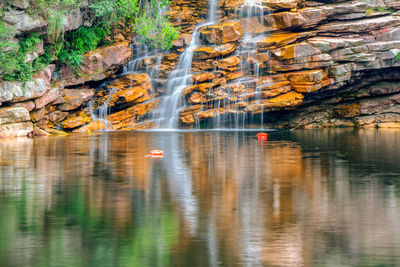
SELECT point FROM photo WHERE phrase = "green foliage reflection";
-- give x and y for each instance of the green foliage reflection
(71, 232)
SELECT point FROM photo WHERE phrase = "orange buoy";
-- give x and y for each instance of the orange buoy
(156, 154)
(262, 136)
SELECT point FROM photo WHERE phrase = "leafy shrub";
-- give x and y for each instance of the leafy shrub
(79, 42)
(144, 17)
(53, 11)
(7, 49)
(15, 66)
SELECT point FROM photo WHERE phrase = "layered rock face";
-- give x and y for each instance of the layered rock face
(292, 63)
(305, 64)
(55, 93)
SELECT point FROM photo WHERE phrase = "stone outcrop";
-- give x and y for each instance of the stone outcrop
(56, 97)
(299, 59)
(98, 64)
(25, 22)
(15, 122)
(290, 63)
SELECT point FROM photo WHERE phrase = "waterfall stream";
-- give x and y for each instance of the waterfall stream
(167, 114)
(170, 88)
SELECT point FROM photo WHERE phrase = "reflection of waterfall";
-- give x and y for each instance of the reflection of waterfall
(180, 179)
(252, 214)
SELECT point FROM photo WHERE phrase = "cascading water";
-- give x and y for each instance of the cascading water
(248, 46)
(167, 114)
(101, 112)
(171, 102)
(247, 51)
(146, 59)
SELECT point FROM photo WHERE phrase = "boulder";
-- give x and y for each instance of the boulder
(23, 22)
(75, 98)
(295, 51)
(135, 94)
(91, 127)
(203, 77)
(284, 20)
(76, 121)
(21, 4)
(227, 63)
(47, 98)
(72, 20)
(13, 115)
(227, 32)
(39, 132)
(57, 116)
(131, 80)
(18, 91)
(19, 129)
(359, 26)
(196, 98)
(38, 114)
(210, 113)
(306, 76)
(252, 25)
(29, 105)
(46, 75)
(130, 116)
(98, 64)
(279, 39)
(289, 100)
(213, 51)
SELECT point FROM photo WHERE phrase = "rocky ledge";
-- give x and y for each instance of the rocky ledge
(291, 64)
(311, 64)
(47, 100)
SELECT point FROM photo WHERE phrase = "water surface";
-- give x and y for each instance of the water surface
(304, 198)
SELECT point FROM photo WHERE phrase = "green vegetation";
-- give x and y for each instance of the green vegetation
(13, 63)
(146, 240)
(79, 42)
(142, 19)
(398, 56)
(380, 9)
(8, 49)
(52, 11)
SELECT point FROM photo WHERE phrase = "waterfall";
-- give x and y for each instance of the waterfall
(101, 112)
(167, 114)
(171, 99)
(248, 47)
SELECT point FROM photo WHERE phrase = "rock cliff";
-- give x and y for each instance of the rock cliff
(311, 64)
(287, 63)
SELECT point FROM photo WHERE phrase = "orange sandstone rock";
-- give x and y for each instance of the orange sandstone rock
(202, 77)
(76, 120)
(295, 51)
(91, 127)
(229, 31)
(289, 100)
(98, 64)
(213, 51)
(228, 62)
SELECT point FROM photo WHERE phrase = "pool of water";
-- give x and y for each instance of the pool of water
(219, 198)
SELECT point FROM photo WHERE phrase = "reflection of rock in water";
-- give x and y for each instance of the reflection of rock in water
(303, 198)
